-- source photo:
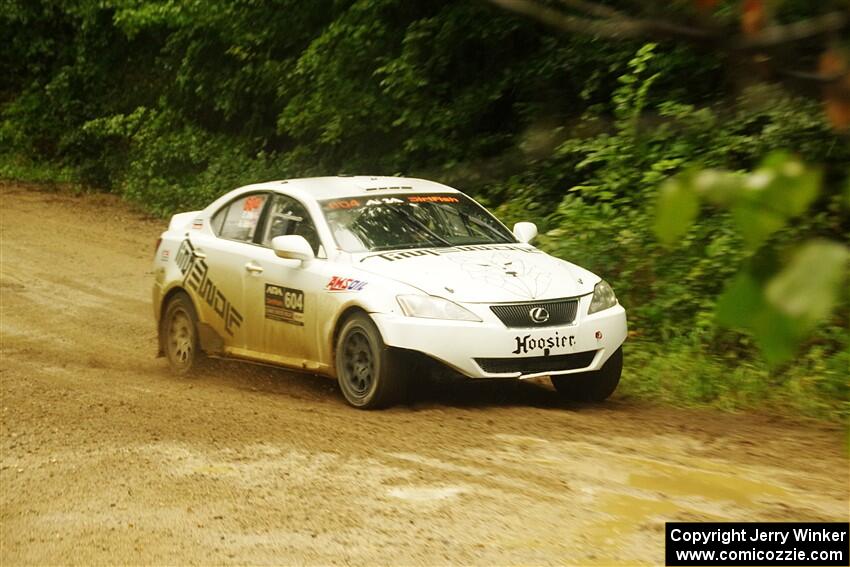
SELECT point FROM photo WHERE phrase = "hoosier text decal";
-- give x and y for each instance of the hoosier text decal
(527, 344)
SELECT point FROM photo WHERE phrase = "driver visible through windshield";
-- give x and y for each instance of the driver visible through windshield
(399, 221)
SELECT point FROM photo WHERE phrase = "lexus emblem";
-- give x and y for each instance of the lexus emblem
(538, 314)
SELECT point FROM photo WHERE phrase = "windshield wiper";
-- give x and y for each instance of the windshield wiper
(497, 235)
(416, 222)
(405, 246)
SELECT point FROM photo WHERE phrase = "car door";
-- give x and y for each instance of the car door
(282, 294)
(215, 276)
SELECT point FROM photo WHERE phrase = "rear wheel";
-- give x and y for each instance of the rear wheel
(369, 373)
(594, 386)
(180, 335)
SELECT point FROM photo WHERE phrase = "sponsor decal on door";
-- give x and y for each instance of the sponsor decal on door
(196, 277)
(285, 304)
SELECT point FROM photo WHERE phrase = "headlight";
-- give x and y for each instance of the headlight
(430, 307)
(603, 298)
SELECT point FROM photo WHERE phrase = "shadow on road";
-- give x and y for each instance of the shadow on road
(424, 392)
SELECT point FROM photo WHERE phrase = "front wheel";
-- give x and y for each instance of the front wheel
(594, 386)
(369, 373)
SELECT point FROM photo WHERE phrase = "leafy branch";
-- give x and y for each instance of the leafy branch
(779, 304)
(755, 40)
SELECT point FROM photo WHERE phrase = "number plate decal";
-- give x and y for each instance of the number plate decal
(285, 304)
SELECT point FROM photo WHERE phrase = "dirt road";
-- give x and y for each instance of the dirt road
(105, 457)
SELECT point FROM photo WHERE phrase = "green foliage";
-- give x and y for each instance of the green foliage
(20, 168)
(171, 103)
(682, 372)
(678, 207)
(631, 208)
(779, 304)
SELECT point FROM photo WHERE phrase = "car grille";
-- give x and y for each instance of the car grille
(560, 311)
(536, 364)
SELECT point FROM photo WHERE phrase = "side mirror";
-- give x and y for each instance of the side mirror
(292, 247)
(525, 231)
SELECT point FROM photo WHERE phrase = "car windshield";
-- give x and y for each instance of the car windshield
(399, 221)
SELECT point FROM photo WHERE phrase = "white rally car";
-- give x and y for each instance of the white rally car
(359, 277)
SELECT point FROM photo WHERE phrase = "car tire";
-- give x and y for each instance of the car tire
(179, 335)
(594, 386)
(370, 374)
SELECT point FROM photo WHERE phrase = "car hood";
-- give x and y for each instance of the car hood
(481, 273)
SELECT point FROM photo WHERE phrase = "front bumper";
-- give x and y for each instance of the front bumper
(489, 349)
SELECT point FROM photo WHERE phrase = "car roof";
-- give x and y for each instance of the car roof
(321, 188)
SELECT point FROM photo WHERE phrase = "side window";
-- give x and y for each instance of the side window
(238, 220)
(288, 216)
